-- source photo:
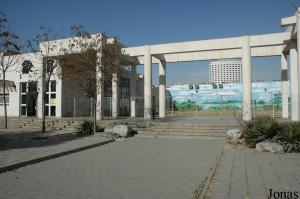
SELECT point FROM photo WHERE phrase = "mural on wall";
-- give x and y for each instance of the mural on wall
(208, 97)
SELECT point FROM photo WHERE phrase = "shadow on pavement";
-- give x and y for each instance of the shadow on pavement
(28, 139)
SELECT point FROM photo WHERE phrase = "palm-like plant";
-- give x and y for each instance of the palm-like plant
(289, 137)
(260, 129)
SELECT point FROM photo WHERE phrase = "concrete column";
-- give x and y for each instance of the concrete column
(100, 87)
(284, 87)
(247, 85)
(133, 91)
(294, 82)
(147, 83)
(295, 72)
(58, 112)
(115, 96)
(41, 87)
(162, 89)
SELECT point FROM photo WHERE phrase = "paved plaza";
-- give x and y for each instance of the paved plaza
(247, 174)
(134, 168)
(20, 147)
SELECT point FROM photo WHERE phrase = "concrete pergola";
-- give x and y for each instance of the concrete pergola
(244, 47)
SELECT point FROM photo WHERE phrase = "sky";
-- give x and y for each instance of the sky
(140, 22)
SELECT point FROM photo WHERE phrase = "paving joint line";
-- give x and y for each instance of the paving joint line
(52, 156)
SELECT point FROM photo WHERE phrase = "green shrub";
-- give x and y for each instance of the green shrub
(260, 129)
(289, 137)
(86, 128)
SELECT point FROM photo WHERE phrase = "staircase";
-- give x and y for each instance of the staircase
(189, 130)
(142, 127)
(36, 123)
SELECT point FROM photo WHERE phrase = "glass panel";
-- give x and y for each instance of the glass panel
(23, 87)
(53, 86)
(53, 99)
(47, 99)
(1, 99)
(32, 86)
(53, 109)
(23, 100)
(23, 110)
(47, 110)
(47, 87)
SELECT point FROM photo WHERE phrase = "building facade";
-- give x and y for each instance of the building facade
(64, 97)
(225, 71)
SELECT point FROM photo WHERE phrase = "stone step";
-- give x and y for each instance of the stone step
(208, 134)
(182, 130)
(187, 127)
(190, 125)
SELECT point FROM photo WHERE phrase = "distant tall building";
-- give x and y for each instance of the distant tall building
(225, 71)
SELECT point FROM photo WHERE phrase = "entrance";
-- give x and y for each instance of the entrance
(29, 96)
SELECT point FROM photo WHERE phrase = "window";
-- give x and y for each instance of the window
(53, 86)
(28, 98)
(50, 99)
(6, 98)
(23, 87)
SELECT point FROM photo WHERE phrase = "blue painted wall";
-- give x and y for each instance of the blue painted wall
(207, 98)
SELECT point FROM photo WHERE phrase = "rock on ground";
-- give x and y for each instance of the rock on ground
(121, 130)
(269, 147)
(234, 136)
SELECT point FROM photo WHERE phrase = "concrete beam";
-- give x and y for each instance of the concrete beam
(213, 44)
(287, 21)
(262, 51)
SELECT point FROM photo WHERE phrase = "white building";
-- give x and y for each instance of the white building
(63, 97)
(225, 71)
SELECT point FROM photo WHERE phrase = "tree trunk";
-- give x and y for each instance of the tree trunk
(4, 102)
(44, 105)
(95, 114)
(43, 112)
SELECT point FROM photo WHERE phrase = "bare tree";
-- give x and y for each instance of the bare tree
(9, 55)
(86, 54)
(47, 66)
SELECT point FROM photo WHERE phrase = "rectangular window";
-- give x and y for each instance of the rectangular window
(6, 97)
(53, 111)
(32, 86)
(23, 87)
(23, 99)
(47, 99)
(23, 110)
(53, 86)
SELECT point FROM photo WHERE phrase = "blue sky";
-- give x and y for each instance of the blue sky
(139, 22)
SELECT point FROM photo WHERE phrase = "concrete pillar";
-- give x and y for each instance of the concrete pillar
(115, 96)
(162, 89)
(133, 91)
(284, 87)
(294, 82)
(58, 112)
(247, 85)
(147, 83)
(40, 101)
(295, 75)
(100, 87)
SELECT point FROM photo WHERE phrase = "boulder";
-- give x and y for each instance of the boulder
(269, 147)
(234, 136)
(121, 130)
